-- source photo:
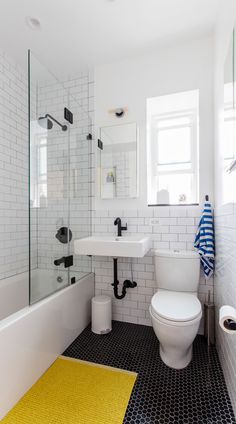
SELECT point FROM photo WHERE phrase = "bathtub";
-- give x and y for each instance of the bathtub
(32, 338)
(14, 291)
(14, 294)
(44, 282)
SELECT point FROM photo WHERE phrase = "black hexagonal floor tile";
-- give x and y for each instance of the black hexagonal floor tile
(194, 395)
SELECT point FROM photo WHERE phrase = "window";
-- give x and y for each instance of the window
(173, 149)
(42, 169)
(38, 187)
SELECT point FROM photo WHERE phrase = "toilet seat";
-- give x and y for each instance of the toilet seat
(175, 308)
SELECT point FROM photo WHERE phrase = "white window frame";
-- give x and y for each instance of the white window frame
(194, 154)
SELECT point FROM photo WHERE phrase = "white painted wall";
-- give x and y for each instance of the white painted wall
(225, 213)
(171, 69)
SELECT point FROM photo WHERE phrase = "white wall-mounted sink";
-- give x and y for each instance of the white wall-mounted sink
(132, 247)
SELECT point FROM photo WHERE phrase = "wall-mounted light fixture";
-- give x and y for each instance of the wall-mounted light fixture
(119, 112)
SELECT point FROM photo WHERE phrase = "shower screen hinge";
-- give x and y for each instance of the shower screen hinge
(68, 115)
(100, 144)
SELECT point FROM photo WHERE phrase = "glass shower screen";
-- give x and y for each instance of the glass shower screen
(59, 180)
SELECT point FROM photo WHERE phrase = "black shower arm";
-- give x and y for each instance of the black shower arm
(54, 119)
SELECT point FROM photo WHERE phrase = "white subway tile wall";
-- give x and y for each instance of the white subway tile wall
(169, 228)
(225, 289)
(13, 168)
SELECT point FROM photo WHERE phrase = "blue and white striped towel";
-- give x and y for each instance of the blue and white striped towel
(205, 240)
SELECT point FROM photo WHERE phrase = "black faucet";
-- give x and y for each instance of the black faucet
(120, 228)
(66, 260)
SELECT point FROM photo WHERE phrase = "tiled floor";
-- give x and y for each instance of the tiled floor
(161, 395)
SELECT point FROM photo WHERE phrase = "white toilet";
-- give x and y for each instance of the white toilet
(175, 309)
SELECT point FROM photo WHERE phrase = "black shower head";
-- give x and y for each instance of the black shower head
(45, 122)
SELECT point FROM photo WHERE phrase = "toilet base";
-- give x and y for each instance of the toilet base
(174, 360)
(175, 340)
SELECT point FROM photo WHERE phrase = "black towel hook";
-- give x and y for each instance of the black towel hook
(207, 197)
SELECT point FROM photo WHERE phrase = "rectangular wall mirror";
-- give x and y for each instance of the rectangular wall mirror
(118, 164)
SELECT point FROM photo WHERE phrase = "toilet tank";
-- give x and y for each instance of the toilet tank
(177, 270)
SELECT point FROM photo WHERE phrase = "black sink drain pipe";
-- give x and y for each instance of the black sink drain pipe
(127, 283)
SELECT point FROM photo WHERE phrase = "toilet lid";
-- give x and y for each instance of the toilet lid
(176, 306)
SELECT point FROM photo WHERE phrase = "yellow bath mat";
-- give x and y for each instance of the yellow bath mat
(75, 392)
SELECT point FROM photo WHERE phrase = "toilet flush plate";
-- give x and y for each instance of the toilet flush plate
(125, 246)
